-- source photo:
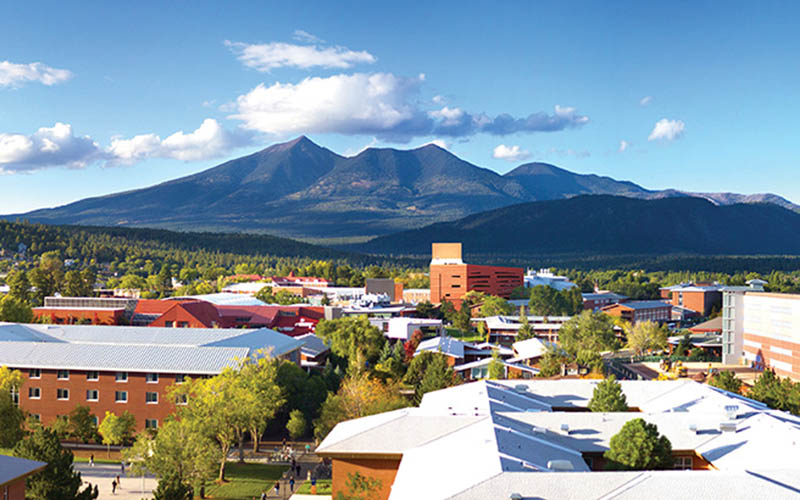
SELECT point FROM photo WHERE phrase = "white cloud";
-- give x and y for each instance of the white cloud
(510, 153)
(55, 146)
(14, 75)
(265, 57)
(209, 141)
(623, 146)
(667, 130)
(646, 100)
(437, 99)
(378, 104)
(306, 37)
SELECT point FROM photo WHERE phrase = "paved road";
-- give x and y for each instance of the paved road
(103, 474)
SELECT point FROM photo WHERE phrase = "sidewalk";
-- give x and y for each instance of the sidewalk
(103, 474)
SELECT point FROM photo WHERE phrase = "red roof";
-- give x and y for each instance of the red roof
(154, 306)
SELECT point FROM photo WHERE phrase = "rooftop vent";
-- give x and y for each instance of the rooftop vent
(731, 411)
(565, 428)
(521, 388)
(727, 426)
(515, 496)
(560, 465)
(693, 428)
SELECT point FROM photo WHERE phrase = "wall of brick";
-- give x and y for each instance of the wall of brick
(384, 470)
(767, 352)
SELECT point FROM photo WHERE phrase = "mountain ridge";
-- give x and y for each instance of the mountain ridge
(299, 189)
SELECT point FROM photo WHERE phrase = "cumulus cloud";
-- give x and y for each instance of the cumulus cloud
(267, 56)
(510, 153)
(54, 146)
(378, 104)
(15, 75)
(624, 145)
(667, 130)
(210, 140)
(646, 100)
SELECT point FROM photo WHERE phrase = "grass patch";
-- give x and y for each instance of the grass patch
(323, 487)
(464, 337)
(5, 451)
(246, 481)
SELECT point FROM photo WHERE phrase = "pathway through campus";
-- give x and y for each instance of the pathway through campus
(103, 474)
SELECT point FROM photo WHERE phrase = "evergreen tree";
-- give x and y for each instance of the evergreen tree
(12, 418)
(438, 375)
(15, 310)
(525, 330)
(81, 424)
(608, 396)
(639, 446)
(726, 380)
(497, 369)
(296, 425)
(57, 481)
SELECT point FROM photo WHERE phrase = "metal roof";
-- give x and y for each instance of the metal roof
(165, 350)
(12, 468)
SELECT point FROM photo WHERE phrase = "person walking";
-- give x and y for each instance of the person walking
(263, 495)
(277, 488)
(113, 486)
(91, 460)
(119, 483)
(291, 484)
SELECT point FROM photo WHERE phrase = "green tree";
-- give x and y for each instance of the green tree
(726, 380)
(438, 375)
(81, 424)
(181, 453)
(608, 396)
(14, 310)
(447, 311)
(639, 446)
(776, 393)
(463, 318)
(647, 336)
(354, 339)
(47, 276)
(552, 361)
(78, 283)
(297, 424)
(261, 393)
(684, 345)
(545, 301)
(133, 282)
(586, 335)
(19, 285)
(12, 418)
(360, 487)
(495, 306)
(497, 369)
(525, 330)
(58, 481)
(358, 396)
(427, 310)
(115, 430)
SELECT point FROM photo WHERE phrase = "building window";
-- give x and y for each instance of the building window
(150, 423)
(122, 376)
(181, 399)
(34, 373)
(183, 324)
(95, 420)
(682, 463)
(15, 396)
(63, 375)
(152, 378)
(62, 394)
(34, 393)
(93, 376)
(180, 378)
(121, 396)
(151, 398)
(169, 324)
(92, 395)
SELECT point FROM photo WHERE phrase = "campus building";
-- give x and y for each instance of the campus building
(702, 298)
(762, 330)
(640, 310)
(521, 439)
(451, 278)
(115, 368)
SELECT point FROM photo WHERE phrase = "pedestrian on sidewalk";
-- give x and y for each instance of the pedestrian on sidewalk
(308, 448)
(297, 470)
(113, 486)
(263, 495)
(91, 460)
(119, 483)
(277, 488)
(291, 485)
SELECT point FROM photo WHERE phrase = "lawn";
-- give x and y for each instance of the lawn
(246, 481)
(468, 337)
(323, 487)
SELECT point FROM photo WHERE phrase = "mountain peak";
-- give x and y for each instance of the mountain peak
(296, 142)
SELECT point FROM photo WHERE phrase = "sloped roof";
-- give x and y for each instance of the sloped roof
(224, 299)
(313, 346)
(444, 344)
(119, 348)
(12, 468)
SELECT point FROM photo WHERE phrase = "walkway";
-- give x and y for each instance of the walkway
(103, 474)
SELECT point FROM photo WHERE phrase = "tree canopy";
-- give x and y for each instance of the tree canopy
(639, 446)
(354, 339)
(646, 336)
(608, 396)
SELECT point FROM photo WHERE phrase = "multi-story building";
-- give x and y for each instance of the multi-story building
(699, 297)
(600, 299)
(641, 310)
(451, 278)
(761, 329)
(113, 368)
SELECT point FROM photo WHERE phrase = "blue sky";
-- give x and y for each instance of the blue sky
(125, 95)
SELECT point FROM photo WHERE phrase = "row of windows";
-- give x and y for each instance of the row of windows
(152, 378)
(92, 395)
(149, 423)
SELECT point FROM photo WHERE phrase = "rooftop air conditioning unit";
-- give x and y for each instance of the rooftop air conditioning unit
(515, 496)
(565, 428)
(521, 388)
(560, 465)
(727, 426)
(731, 411)
(693, 428)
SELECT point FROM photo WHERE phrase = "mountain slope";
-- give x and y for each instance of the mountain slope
(301, 190)
(602, 224)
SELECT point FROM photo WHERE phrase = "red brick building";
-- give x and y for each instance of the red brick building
(641, 310)
(451, 278)
(117, 369)
(700, 297)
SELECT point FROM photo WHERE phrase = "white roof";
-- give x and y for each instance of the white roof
(445, 345)
(530, 348)
(250, 288)
(224, 299)
(121, 348)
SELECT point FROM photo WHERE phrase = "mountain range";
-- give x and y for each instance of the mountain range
(608, 225)
(300, 190)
